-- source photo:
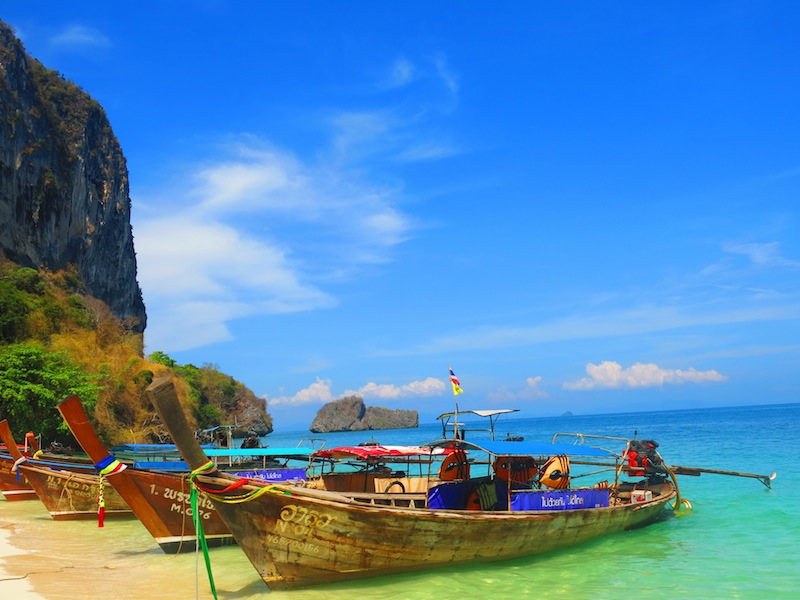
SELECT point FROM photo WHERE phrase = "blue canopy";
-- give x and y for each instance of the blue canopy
(142, 448)
(283, 452)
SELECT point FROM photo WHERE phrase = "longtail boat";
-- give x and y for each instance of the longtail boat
(13, 485)
(71, 495)
(160, 499)
(525, 504)
(68, 490)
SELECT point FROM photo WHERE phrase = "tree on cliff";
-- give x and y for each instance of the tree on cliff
(33, 381)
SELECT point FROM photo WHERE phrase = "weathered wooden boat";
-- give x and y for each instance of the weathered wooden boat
(301, 536)
(161, 499)
(72, 495)
(69, 490)
(13, 486)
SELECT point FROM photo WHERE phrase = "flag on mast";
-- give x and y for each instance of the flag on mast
(455, 383)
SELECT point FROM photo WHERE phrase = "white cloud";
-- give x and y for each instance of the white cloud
(402, 73)
(79, 35)
(257, 230)
(764, 254)
(532, 384)
(321, 392)
(529, 391)
(258, 181)
(360, 134)
(318, 392)
(609, 374)
(427, 387)
(222, 245)
(446, 75)
(199, 276)
(429, 150)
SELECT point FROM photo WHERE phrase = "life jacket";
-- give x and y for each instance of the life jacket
(644, 455)
(484, 497)
(555, 472)
(454, 466)
(635, 461)
(515, 469)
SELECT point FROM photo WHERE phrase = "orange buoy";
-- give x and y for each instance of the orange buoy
(633, 461)
(555, 472)
(515, 469)
(454, 466)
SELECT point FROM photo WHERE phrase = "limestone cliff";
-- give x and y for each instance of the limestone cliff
(350, 414)
(64, 196)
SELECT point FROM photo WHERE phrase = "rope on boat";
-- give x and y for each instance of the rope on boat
(15, 467)
(198, 522)
(221, 496)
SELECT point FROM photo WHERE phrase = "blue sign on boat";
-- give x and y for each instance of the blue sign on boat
(559, 499)
(273, 474)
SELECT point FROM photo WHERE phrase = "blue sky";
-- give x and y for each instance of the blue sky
(586, 207)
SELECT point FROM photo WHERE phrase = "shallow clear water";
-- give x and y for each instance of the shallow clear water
(740, 541)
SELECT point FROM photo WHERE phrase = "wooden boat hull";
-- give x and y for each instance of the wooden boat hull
(161, 501)
(69, 495)
(14, 487)
(295, 539)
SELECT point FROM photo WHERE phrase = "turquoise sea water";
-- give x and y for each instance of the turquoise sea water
(740, 541)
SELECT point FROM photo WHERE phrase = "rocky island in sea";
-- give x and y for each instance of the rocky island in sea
(351, 414)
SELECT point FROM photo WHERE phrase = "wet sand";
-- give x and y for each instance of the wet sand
(12, 585)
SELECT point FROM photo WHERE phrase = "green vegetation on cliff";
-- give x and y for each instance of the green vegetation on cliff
(56, 340)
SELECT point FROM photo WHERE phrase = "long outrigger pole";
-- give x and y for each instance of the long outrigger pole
(691, 471)
(676, 470)
(697, 471)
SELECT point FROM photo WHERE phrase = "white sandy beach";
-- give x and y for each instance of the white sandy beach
(12, 585)
(44, 559)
